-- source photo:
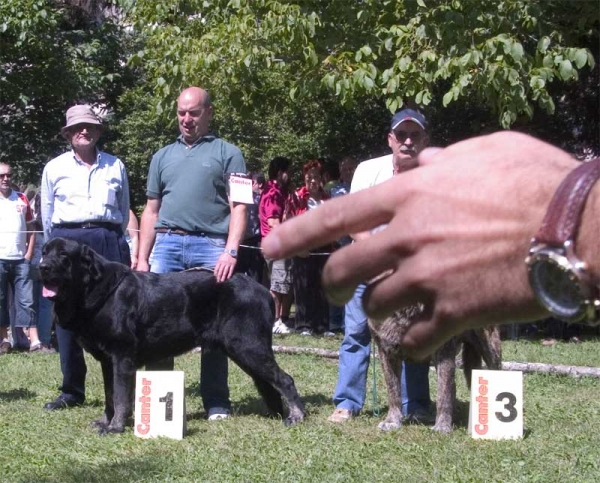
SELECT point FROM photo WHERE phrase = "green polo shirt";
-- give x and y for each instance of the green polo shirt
(191, 182)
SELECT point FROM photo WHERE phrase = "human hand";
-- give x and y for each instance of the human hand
(459, 228)
(225, 267)
(141, 266)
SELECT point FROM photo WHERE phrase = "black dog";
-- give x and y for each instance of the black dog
(127, 319)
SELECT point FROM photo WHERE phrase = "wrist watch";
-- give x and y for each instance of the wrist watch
(559, 279)
(232, 252)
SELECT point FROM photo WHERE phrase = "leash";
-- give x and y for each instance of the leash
(374, 398)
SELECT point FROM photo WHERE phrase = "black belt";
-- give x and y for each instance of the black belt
(88, 224)
(180, 231)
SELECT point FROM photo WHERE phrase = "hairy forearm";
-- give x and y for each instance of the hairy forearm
(237, 226)
(147, 234)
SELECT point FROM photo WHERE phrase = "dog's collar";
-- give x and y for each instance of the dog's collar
(115, 287)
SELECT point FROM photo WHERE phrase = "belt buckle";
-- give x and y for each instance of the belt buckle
(87, 224)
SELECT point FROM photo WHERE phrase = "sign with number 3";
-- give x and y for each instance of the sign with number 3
(496, 410)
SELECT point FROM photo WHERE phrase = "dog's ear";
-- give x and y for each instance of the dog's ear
(90, 264)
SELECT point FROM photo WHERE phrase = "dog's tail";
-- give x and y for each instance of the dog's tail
(481, 345)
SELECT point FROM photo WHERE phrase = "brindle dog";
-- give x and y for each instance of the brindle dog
(477, 345)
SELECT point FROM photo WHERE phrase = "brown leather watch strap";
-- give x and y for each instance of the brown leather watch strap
(564, 212)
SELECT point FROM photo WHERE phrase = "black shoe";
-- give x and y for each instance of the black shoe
(61, 403)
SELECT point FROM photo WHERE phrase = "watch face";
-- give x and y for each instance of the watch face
(557, 289)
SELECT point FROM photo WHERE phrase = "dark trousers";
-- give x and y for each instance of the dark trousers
(251, 260)
(312, 308)
(111, 245)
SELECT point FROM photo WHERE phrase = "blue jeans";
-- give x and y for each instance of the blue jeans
(174, 253)
(42, 307)
(16, 274)
(355, 351)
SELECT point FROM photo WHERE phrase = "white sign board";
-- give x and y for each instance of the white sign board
(240, 190)
(160, 404)
(496, 410)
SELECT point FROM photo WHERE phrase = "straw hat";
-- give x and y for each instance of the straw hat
(80, 114)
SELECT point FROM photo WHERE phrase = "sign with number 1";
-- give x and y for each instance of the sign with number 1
(496, 410)
(159, 404)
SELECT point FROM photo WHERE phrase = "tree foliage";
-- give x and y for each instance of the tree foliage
(52, 55)
(304, 78)
(504, 54)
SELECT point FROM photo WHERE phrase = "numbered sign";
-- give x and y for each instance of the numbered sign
(496, 410)
(159, 404)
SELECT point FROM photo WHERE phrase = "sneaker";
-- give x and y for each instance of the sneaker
(328, 334)
(5, 347)
(280, 328)
(218, 416)
(306, 332)
(340, 415)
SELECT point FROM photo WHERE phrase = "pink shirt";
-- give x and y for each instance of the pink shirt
(272, 205)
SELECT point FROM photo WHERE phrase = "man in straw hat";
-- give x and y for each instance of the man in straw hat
(85, 197)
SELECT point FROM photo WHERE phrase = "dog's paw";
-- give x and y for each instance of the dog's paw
(110, 430)
(442, 427)
(292, 420)
(99, 423)
(389, 425)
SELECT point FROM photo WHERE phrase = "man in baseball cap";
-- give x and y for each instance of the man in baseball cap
(407, 138)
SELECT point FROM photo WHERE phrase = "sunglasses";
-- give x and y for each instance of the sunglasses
(415, 136)
(6, 175)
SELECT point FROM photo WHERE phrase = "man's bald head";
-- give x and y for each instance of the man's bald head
(194, 112)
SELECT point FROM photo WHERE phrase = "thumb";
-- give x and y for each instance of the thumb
(427, 155)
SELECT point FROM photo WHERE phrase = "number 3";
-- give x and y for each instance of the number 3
(508, 406)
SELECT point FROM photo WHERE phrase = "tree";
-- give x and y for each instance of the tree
(53, 54)
(503, 54)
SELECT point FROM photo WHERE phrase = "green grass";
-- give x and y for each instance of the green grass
(561, 443)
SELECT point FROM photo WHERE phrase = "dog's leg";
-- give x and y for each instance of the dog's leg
(392, 372)
(446, 385)
(471, 357)
(270, 395)
(481, 345)
(107, 376)
(272, 382)
(123, 388)
(491, 351)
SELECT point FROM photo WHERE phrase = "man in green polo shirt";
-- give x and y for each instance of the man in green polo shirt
(191, 222)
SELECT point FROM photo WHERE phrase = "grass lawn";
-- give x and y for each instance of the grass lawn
(561, 443)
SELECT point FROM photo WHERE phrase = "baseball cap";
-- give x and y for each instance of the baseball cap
(408, 115)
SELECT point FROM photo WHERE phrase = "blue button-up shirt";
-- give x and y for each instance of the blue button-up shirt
(74, 193)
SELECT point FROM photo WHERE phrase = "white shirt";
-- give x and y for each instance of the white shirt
(15, 213)
(72, 193)
(373, 172)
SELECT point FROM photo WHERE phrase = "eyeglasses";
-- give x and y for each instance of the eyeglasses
(415, 136)
(6, 175)
(84, 125)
